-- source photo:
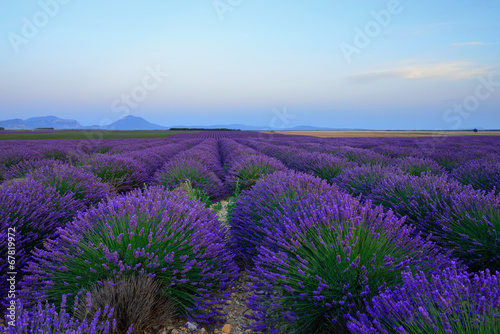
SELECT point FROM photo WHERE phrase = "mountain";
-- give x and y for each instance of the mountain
(133, 123)
(16, 123)
(138, 123)
(125, 123)
(40, 122)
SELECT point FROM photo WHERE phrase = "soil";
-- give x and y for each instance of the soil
(236, 323)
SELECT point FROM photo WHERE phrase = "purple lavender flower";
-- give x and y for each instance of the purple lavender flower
(45, 318)
(23, 168)
(260, 201)
(245, 165)
(426, 201)
(321, 255)
(83, 185)
(121, 173)
(182, 170)
(363, 179)
(418, 166)
(451, 301)
(30, 212)
(472, 232)
(95, 246)
(483, 174)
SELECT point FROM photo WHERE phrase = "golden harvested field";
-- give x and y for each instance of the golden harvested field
(328, 134)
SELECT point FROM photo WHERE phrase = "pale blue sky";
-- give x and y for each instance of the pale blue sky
(237, 64)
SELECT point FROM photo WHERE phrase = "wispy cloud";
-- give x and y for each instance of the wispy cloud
(470, 44)
(435, 71)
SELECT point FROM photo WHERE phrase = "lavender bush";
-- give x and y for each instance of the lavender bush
(418, 166)
(483, 174)
(450, 158)
(198, 168)
(182, 171)
(21, 169)
(255, 204)
(245, 165)
(451, 302)
(426, 201)
(121, 173)
(473, 230)
(31, 212)
(46, 318)
(324, 255)
(459, 218)
(247, 170)
(324, 166)
(138, 303)
(66, 179)
(155, 233)
(362, 180)
(363, 156)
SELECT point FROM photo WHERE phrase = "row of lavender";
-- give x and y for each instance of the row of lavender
(464, 221)
(259, 232)
(42, 192)
(44, 197)
(455, 215)
(323, 261)
(461, 221)
(475, 163)
(317, 256)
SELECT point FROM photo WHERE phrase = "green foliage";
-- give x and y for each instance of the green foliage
(217, 206)
(474, 237)
(462, 321)
(249, 175)
(231, 201)
(85, 279)
(343, 281)
(196, 193)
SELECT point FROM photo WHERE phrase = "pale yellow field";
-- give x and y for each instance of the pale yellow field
(328, 134)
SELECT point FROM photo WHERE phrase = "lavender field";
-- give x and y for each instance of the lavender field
(334, 235)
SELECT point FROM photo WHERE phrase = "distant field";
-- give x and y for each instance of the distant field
(328, 134)
(83, 134)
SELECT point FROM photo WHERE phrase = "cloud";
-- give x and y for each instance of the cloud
(436, 71)
(470, 44)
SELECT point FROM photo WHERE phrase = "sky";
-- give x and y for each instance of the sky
(392, 64)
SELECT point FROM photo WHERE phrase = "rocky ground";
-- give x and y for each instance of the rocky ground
(235, 309)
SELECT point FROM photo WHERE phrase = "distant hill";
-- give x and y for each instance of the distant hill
(125, 123)
(133, 123)
(138, 123)
(40, 122)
